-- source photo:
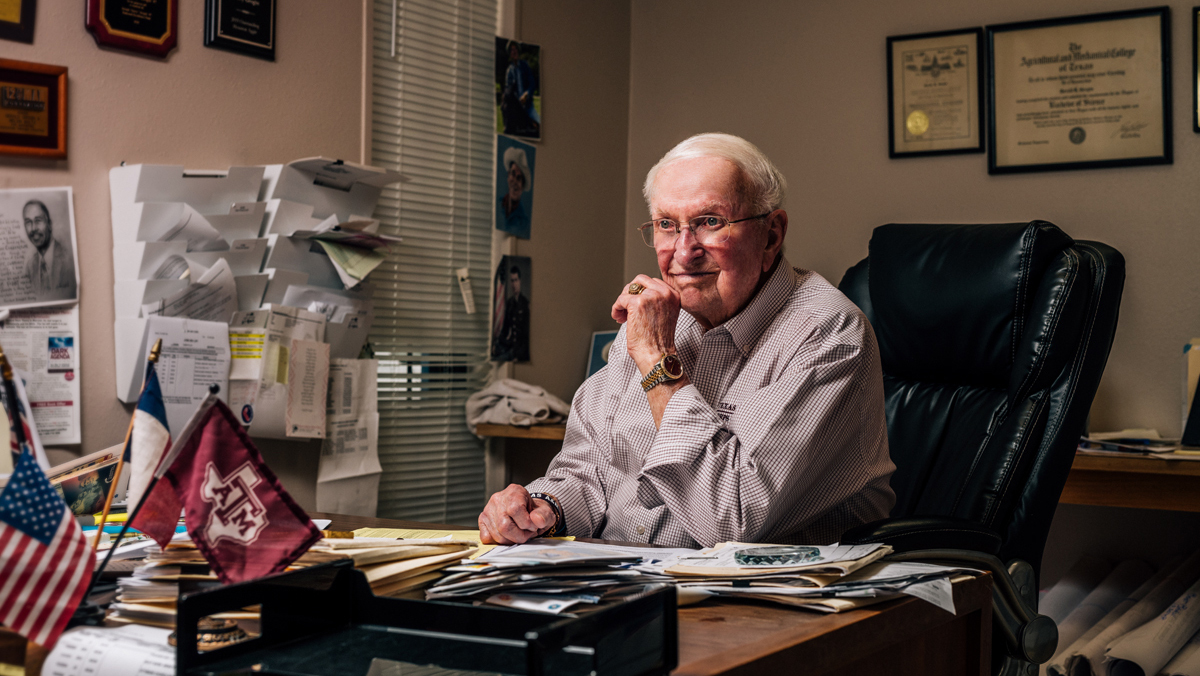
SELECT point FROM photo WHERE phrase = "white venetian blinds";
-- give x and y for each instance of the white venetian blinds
(432, 120)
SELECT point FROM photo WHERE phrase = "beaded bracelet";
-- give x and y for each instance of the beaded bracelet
(560, 523)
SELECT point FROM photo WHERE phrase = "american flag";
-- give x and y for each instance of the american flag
(45, 560)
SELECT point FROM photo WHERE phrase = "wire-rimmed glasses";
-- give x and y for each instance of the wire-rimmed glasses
(708, 230)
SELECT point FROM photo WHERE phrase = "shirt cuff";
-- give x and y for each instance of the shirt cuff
(688, 427)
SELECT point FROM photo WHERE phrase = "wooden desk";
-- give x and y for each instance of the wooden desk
(905, 637)
(1145, 483)
(744, 637)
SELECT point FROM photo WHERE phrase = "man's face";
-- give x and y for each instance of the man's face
(37, 225)
(513, 54)
(714, 281)
(514, 285)
(516, 182)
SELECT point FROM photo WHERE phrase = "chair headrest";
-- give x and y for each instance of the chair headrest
(950, 301)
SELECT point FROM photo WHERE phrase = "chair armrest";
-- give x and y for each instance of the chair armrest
(926, 532)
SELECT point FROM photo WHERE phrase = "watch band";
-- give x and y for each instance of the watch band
(559, 529)
(660, 374)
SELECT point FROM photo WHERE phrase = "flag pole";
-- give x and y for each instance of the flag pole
(10, 393)
(112, 490)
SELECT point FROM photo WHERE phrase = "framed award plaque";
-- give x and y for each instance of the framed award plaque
(1080, 92)
(134, 25)
(16, 20)
(242, 26)
(33, 109)
(935, 102)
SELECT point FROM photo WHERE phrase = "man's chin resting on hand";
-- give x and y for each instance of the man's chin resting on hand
(743, 398)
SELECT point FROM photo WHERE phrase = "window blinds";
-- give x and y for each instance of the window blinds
(432, 120)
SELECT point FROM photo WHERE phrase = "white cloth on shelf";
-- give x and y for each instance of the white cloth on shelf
(512, 402)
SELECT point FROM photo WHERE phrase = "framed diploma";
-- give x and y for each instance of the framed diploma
(1080, 92)
(243, 26)
(143, 26)
(935, 104)
(33, 109)
(16, 20)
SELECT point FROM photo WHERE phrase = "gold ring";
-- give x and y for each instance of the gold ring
(635, 289)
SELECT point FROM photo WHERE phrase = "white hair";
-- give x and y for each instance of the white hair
(762, 187)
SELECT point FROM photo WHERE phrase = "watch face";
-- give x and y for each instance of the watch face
(672, 365)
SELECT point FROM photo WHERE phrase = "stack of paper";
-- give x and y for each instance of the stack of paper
(553, 576)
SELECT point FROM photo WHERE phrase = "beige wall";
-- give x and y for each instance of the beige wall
(805, 82)
(201, 108)
(577, 240)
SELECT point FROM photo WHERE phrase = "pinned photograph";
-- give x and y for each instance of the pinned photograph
(518, 92)
(514, 186)
(510, 310)
(38, 262)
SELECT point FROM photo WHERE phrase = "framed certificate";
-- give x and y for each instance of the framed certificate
(1080, 92)
(242, 26)
(33, 109)
(935, 104)
(134, 25)
(16, 20)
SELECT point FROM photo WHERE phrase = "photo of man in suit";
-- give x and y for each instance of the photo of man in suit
(49, 267)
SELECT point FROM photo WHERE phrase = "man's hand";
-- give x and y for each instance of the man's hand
(650, 317)
(511, 518)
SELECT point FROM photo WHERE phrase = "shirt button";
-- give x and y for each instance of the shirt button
(641, 530)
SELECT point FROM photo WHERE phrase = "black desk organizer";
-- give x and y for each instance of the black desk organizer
(324, 620)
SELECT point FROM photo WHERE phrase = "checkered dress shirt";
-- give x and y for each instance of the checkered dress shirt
(780, 437)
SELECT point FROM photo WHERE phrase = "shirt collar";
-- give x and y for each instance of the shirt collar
(747, 326)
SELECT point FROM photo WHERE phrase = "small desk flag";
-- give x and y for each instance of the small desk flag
(150, 438)
(237, 513)
(45, 560)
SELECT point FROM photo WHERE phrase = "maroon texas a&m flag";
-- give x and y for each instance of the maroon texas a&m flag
(235, 509)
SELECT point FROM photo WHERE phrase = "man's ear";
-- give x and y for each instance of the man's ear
(777, 224)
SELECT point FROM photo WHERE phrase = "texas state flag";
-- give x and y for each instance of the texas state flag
(150, 438)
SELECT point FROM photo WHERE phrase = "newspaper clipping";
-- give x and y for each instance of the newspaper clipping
(38, 261)
(43, 344)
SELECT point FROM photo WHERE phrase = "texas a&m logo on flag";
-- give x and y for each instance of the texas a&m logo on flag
(237, 513)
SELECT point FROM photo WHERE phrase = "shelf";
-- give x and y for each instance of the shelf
(550, 432)
(1144, 483)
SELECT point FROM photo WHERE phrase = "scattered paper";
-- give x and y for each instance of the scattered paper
(307, 388)
(112, 651)
(195, 355)
(538, 604)
(348, 471)
(264, 408)
(213, 298)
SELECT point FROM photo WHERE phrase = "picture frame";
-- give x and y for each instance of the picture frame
(134, 25)
(1196, 69)
(33, 109)
(241, 26)
(20, 30)
(598, 352)
(1080, 92)
(935, 93)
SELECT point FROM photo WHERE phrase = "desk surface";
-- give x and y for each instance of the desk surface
(742, 637)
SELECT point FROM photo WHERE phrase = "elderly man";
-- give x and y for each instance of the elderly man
(49, 267)
(756, 414)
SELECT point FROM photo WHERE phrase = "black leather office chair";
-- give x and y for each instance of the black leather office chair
(993, 339)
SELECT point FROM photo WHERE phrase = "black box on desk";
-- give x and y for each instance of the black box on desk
(324, 620)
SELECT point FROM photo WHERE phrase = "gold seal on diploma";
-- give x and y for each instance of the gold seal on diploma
(917, 122)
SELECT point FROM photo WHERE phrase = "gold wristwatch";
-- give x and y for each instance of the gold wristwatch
(669, 367)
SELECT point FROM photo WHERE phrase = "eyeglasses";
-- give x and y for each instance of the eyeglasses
(708, 230)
